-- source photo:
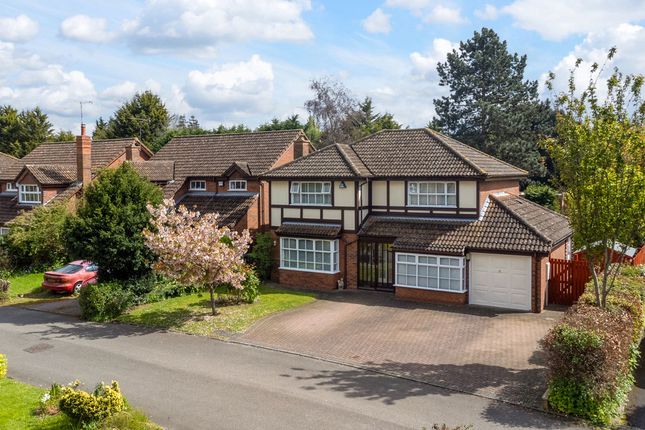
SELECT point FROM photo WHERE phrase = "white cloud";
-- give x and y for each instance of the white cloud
(445, 14)
(425, 65)
(409, 4)
(556, 19)
(86, 29)
(167, 25)
(629, 39)
(235, 88)
(377, 22)
(488, 13)
(18, 29)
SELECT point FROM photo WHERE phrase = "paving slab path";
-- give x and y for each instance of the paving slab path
(191, 382)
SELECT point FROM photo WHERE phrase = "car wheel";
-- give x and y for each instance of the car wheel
(77, 287)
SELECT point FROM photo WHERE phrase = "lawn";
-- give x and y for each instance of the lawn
(192, 313)
(25, 288)
(18, 402)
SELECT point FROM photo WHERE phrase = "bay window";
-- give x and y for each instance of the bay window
(29, 194)
(430, 272)
(311, 193)
(311, 255)
(423, 194)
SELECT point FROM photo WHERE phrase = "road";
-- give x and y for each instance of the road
(189, 382)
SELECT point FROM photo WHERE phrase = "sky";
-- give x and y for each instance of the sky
(248, 61)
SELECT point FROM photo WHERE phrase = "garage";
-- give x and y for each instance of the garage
(500, 280)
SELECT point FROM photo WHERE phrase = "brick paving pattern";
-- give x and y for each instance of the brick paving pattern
(474, 350)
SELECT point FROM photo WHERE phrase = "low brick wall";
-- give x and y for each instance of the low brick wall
(428, 296)
(311, 280)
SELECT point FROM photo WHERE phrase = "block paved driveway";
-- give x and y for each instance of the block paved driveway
(475, 350)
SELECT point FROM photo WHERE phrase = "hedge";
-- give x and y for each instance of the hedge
(593, 352)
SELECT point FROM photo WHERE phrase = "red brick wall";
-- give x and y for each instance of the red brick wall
(419, 295)
(309, 280)
(511, 186)
(560, 251)
(539, 281)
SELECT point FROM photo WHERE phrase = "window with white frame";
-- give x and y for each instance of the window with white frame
(197, 185)
(311, 255)
(311, 193)
(431, 272)
(11, 187)
(29, 194)
(237, 185)
(432, 194)
(4, 230)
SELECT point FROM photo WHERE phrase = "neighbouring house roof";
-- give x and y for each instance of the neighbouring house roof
(399, 153)
(52, 174)
(9, 167)
(305, 229)
(9, 207)
(155, 171)
(501, 228)
(231, 208)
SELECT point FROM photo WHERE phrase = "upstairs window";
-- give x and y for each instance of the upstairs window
(311, 193)
(427, 194)
(11, 187)
(4, 230)
(29, 194)
(197, 185)
(237, 185)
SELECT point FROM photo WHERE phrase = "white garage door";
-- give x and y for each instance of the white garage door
(500, 280)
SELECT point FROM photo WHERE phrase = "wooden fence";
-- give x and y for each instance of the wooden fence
(568, 280)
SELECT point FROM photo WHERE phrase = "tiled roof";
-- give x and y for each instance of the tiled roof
(213, 154)
(399, 153)
(9, 208)
(9, 167)
(66, 194)
(499, 229)
(155, 171)
(104, 152)
(53, 174)
(305, 229)
(231, 208)
(333, 161)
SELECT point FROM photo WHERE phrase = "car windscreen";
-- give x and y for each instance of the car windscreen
(69, 268)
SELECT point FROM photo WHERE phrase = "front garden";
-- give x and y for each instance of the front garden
(24, 288)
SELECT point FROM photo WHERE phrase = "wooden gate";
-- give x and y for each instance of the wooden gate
(568, 280)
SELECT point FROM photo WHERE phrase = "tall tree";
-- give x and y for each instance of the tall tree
(21, 132)
(491, 106)
(599, 152)
(291, 123)
(332, 107)
(144, 116)
(62, 136)
(365, 121)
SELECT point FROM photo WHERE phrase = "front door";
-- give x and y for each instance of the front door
(375, 265)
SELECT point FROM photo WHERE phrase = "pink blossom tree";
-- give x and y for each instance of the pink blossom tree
(193, 250)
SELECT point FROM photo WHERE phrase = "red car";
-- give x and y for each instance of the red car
(71, 277)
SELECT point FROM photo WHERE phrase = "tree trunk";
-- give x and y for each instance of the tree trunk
(212, 292)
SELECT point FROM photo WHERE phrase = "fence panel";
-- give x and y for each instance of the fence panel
(568, 280)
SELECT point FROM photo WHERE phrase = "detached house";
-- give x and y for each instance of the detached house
(220, 172)
(56, 172)
(416, 213)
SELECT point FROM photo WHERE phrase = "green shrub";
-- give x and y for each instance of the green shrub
(108, 226)
(250, 287)
(35, 239)
(4, 290)
(84, 407)
(542, 194)
(104, 301)
(3, 366)
(129, 419)
(261, 255)
(165, 288)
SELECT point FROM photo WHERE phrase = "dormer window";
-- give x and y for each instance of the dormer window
(29, 194)
(311, 193)
(432, 193)
(197, 185)
(237, 185)
(11, 187)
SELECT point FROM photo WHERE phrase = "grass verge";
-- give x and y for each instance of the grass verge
(192, 313)
(25, 288)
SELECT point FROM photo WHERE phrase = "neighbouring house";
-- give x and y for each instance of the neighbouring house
(415, 213)
(634, 256)
(56, 172)
(220, 172)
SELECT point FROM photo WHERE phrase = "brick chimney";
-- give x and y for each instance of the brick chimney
(83, 157)
(130, 151)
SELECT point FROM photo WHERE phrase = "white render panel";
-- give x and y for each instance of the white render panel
(500, 280)
(332, 214)
(291, 213)
(467, 194)
(280, 192)
(379, 193)
(350, 224)
(311, 213)
(397, 193)
(344, 196)
(275, 217)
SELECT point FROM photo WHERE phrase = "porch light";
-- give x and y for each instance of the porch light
(342, 185)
